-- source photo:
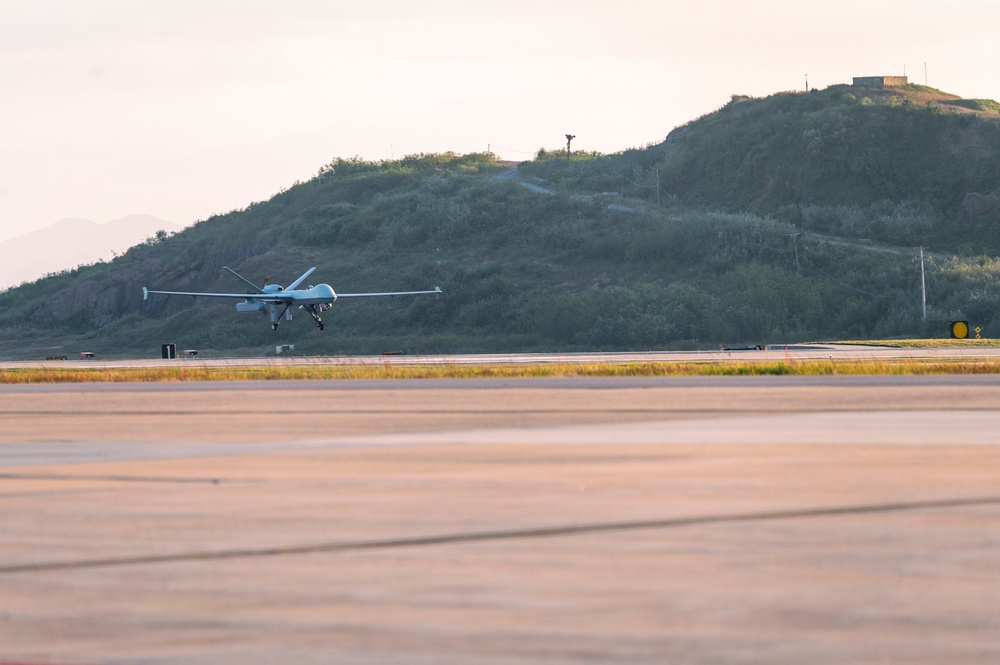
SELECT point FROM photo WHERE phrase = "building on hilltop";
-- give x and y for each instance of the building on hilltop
(879, 81)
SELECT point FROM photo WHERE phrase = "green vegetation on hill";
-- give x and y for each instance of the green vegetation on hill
(756, 223)
(908, 165)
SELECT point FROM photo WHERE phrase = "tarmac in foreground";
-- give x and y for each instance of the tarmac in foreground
(740, 520)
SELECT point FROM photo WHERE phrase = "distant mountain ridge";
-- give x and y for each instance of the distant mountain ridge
(72, 242)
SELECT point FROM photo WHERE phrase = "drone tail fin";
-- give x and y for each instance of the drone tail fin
(256, 289)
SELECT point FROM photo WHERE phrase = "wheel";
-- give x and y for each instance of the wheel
(320, 326)
(274, 326)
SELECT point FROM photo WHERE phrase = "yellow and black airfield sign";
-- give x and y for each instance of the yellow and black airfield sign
(959, 329)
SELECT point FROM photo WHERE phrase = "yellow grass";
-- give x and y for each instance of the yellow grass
(944, 343)
(389, 371)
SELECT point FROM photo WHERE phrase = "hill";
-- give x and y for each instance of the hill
(837, 145)
(583, 251)
(907, 165)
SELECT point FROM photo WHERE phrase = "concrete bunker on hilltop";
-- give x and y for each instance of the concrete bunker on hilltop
(879, 81)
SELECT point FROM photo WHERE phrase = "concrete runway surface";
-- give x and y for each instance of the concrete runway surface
(770, 353)
(682, 520)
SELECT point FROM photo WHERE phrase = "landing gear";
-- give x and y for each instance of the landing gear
(275, 317)
(315, 314)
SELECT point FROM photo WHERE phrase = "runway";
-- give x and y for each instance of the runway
(694, 520)
(768, 353)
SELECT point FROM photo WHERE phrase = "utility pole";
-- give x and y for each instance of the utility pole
(923, 283)
(569, 139)
(795, 244)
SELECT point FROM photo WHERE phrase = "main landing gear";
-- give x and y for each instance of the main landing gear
(276, 319)
(313, 312)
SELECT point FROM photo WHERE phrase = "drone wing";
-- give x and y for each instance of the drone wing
(437, 290)
(262, 297)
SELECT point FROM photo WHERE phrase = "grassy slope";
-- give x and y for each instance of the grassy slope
(908, 165)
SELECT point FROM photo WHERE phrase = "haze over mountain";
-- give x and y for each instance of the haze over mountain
(71, 242)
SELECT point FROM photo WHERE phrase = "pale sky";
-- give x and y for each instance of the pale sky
(183, 109)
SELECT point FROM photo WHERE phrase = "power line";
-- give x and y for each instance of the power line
(632, 182)
(844, 284)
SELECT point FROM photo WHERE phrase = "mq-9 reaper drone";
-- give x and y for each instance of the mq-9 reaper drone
(276, 301)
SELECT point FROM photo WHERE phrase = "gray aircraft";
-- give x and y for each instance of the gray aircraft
(278, 301)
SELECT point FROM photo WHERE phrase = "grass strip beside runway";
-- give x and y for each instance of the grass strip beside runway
(832, 367)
